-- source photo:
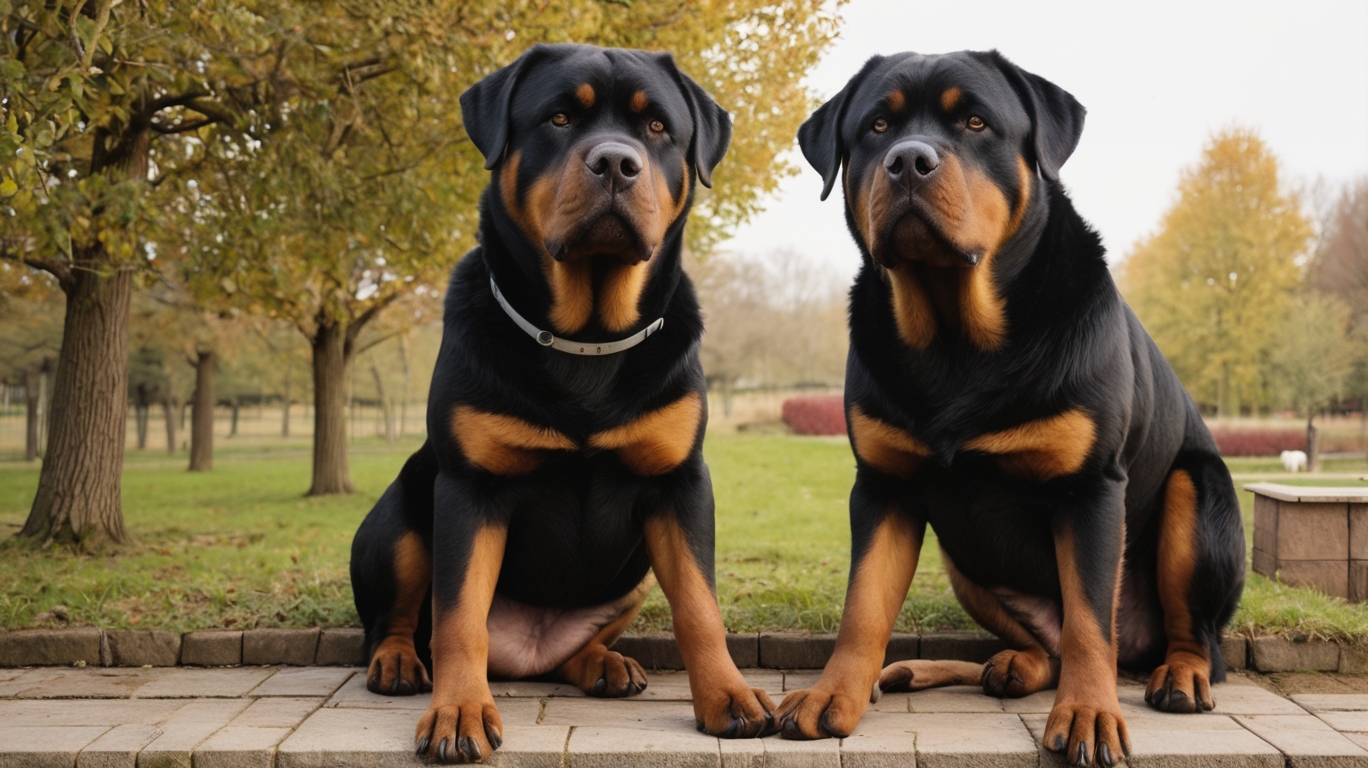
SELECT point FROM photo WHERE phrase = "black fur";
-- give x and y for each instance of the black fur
(575, 523)
(1071, 342)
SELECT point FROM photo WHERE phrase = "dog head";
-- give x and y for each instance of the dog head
(940, 153)
(594, 150)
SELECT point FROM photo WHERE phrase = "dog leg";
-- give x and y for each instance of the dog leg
(395, 669)
(724, 703)
(1085, 722)
(598, 671)
(885, 561)
(462, 724)
(1181, 683)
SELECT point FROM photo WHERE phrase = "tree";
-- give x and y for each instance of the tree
(1310, 361)
(372, 190)
(30, 337)
(1340, 269)
(1215, 282)
(88, 87)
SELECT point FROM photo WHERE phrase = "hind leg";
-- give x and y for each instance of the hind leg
(391, 572)
(1199, 576)
(1023, 669)
(599, 671)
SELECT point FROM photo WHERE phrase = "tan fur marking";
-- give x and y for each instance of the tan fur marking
(582, 669)
(395, 654)
(572, 293)
(950, 98)
(658, 441)
(912, 308)
(639, 101)
(884, 446)
(1087, 675)
(895, 100)
(1043, 449)
(717, 686)
(1187, 663)
(504, 445)
(460, 637)
(585, 94)
(877, 589)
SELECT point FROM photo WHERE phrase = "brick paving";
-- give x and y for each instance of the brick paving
(319, 717)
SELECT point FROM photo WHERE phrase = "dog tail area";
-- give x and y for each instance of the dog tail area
(921, 674)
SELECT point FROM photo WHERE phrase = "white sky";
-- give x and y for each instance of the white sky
(1157, 79)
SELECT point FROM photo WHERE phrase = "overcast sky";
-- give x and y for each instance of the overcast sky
(1157, 79)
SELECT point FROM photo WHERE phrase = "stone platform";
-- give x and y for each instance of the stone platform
(317, 717)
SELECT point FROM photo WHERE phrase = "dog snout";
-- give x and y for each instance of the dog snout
(615, 163)
(911, 163)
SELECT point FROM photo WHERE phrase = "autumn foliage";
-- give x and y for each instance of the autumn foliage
(815, 415)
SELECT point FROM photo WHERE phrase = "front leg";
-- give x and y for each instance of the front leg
(462, 724)
(680, 544)
(1086, 722)
(886, 544)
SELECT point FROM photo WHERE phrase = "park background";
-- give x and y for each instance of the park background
(225, 231)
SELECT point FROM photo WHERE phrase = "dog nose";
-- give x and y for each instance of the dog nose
(615, 163)
(911, 162)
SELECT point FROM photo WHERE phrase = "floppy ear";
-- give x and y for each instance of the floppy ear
(711, 123)
(1056, 116)
(820, 135)
(484, 106)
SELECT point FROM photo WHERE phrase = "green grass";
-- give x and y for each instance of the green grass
(240, 547)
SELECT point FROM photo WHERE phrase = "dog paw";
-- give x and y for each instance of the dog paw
(1013, 674)
(395, 670)
(1087, 733)
(600, 672)
(1180, 686)
(734, 711)
(816, 713)
(467, 732)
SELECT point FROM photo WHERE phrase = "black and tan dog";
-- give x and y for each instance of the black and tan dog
(999, 389)
(566, 414)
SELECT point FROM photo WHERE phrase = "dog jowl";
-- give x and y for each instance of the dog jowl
(564, 462)
(999, 390)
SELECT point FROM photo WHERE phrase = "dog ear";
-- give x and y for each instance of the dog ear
(1056, 116)
(484, 105)
(820, 135)
(712, 128)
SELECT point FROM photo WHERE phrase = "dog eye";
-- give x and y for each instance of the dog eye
(657, 126)
(560, 119)
(880, 125)
(976, 123)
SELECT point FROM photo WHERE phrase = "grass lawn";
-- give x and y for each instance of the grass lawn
(240, 547)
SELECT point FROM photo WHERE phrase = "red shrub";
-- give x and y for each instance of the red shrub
(816, 415)
(1258, 441)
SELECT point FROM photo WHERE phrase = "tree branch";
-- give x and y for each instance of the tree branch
(359, 322)
(183, 127)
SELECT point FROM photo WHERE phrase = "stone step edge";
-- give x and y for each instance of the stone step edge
(345, 646)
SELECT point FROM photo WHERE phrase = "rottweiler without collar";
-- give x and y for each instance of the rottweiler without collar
(564, 459)
(999, 389)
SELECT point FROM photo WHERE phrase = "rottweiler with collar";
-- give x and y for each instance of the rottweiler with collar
(564, 460)
(999, 389)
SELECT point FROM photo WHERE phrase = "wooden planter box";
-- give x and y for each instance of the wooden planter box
(1312, 537)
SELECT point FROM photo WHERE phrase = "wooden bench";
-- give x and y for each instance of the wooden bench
(1312, 537)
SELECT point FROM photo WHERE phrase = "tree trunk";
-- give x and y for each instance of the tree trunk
(1312, 442)
(285, 415)
(408, 379)
(45, 406)
(170, 408)
(331, 360)
(202, 414)
(78, 496)
(141, 405)
(30, 415)
(232, 426)
(386, 405)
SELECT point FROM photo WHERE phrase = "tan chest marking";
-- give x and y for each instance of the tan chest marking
(657, 442)
(504, 445)
(1043, 449)
(884, 446)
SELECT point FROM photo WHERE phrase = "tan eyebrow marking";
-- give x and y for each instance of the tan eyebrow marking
(896, 100)
(950, 98)
(639, 101)
(585, 94)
